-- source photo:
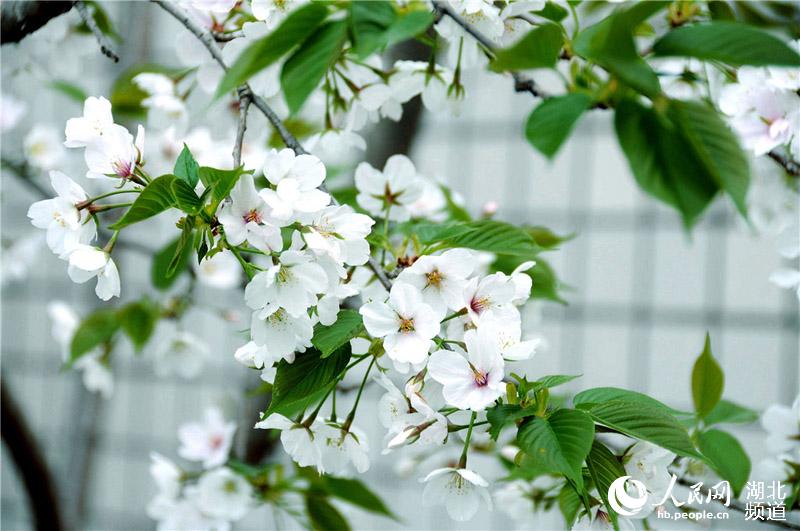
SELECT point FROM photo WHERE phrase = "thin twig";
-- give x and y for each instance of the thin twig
(522, 83)
(738, 506)
(791, 166)
(227, 36)
(244, 105)
(105, 45)
(261, 104)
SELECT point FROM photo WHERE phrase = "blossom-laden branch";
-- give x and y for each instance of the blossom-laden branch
(207, 39)
(105, 44)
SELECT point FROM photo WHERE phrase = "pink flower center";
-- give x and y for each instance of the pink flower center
(479, 304)
(123, 168)
(253, 215)
(216, 441)
(481, 378)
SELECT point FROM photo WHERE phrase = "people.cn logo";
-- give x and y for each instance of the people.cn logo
(624, 503)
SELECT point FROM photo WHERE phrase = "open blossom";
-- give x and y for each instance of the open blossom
(441, 279)
(11, 112)
(299, 441)
(87, 262)
(649, 464)
(246, 217)
(274, 11)
(405, 323)
(221, 271)
(178, 352)
(42, 147)
(281, 333)
(389, 190)
(460, 490)
(291, 284)
(296, 179)
(342, 452)
(209, 441)
(166, 474)
(508, 335)
(782, 423)
(493, 295)
(66, 226)
(115, 153)
(473, 382)
(341, 233)
(96, 121)
(165, 107)
(223, 494)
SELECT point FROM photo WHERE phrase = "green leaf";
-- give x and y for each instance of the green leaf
(408, 25)
(430, 233)
(299, 384)
(138, 320)
(356, 492)
(496, 237)
(539, 48)
(501, 415)
(184, 247)
(728, 42)
(297, 27)
(186, 167)
(729, 412)
(96, 329)
(71, 90)
(662, 161)
(605, 468)
(610, 44)
(161, 262)
(553, 11)
(154, 199)
(715, 147)
(554, 380)
(329, 338)
(306, 67)
(368, 23)
(546, 238)
(641, 421)
(324, 516)
(569, 503)
(221, 182)
(726, 456)
(560, 442)
(707, 381)
(552, 121)
(185, 197)
(600, 395)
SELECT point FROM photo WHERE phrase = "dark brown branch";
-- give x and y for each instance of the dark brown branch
(105, 44)
(244, 106)
(207, 39)
(791, 166)
(20, 19)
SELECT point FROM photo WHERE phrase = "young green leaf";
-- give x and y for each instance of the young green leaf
(729, 412)
(553, 11)
(707, 381)
(185, 197)
(186, 167)
(184, 246)
(641, 421)
(357, 493)
(408, 25)
(600, 395)
(71, 90)
(539, 48)
(495, 237)
(554, 380)
(161, 261)
(726, 456)
(329, 338)
(501, 415)
(560, 442)
(569, 503)
(220, 181)
(299, 384)
(323, 515)
(306, 67)
(552, 121)
(96, 329)
(297, 27)
(368, 23)
(605, 468)
(138, 320)
(154, 199)
(728, 42)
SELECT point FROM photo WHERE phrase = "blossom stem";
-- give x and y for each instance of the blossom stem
(85, 204)
(385, 233)
(102, 208)
(459, 313)
(245, 265)
(352, 414)
(462, 463)
(110, 245)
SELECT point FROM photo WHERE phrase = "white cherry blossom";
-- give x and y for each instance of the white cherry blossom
(221, 271)
(246, 217)
(178, 352)
(291, 284)
(209, 441)
(224, 495)
(67, 227)
(472, 382)
(115, 153)
(96, 121)
(341, 233)
(87, 262)
(42, 147)
(298, 441)
(344, 453)
(460, 490)
(166, 474)
(508, 335)
(392, 189)
(274, 11)
(296, 179)
(441, 278)
(782, 424)
(165, 107)
(281, 333)
(405, 323)
(649, 464)
(491, 295)
(12, 110)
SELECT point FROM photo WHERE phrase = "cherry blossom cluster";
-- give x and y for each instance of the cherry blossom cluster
(782, 424)
(211, 498)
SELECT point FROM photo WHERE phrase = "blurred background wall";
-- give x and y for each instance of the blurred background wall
(643, 294)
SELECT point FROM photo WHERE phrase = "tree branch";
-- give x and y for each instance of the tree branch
(207, 39)
(20, 19)
(791, 166)
(105, 44)
(244, 106)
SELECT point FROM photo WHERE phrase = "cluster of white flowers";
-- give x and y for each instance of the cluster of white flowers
(211, 499)
(782, 424)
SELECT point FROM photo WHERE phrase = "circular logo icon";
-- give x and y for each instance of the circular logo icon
(624, 503)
